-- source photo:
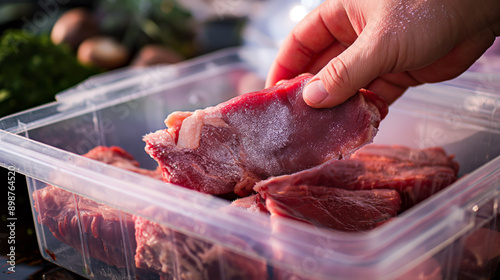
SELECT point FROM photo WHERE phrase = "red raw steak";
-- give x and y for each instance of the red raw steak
(415, 173)
(332, 208)
(118, 157)
(267, 133)
(62, 212)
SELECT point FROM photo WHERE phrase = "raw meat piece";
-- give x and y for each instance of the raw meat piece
(251, 137)
(174, 255)
(118, 157)
(433, 156)
(415, 174)
(332, 208)
(103, 227)
(253, 203)
(481, 254)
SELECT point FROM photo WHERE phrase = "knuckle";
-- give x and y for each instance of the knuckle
(302, 47)
(336, 75)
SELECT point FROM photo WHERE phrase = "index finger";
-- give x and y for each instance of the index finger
(324, 26)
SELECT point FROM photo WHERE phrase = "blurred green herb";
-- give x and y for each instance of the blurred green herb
(33, 70)
(140, 22)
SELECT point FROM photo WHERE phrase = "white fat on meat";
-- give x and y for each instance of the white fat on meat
(192, 123)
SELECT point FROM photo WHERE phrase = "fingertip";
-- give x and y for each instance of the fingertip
(314, 93)
(269, 83)
(277, 73)
(272, 78)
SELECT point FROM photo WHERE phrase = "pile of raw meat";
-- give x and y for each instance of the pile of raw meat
(275, 153)
(292, 160)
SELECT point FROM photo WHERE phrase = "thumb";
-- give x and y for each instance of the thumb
(345, 74)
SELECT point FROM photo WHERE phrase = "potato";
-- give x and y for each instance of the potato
(156, 54)
(73, 27)
(104, 52)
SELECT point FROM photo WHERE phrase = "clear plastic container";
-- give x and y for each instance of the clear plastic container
(452, 235)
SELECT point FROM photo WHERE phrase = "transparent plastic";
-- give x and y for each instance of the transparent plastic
(452, 235)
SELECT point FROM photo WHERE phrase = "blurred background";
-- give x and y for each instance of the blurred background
(50, 45)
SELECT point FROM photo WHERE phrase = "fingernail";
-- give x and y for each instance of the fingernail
(315, 92)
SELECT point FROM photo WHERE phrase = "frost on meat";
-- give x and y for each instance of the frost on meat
(267, 133)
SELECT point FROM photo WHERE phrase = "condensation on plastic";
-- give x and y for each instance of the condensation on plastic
(119, 108)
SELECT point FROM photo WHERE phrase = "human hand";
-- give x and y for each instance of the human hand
(385, 46)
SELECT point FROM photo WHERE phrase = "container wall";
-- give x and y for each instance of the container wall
(481, 246)
(102, 242)
(81, 235)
